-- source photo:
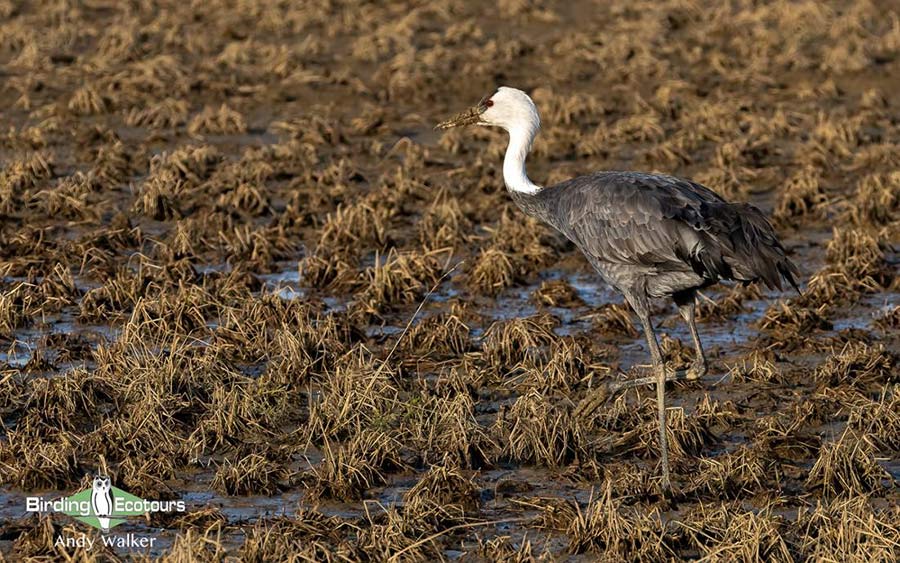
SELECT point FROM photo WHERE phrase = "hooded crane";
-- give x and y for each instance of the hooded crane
(647, 235)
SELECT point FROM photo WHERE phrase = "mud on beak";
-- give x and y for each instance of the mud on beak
(468, 117)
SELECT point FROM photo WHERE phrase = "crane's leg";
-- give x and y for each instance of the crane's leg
(660, 369)
(642, 308)
(697, 370)
(686, 308)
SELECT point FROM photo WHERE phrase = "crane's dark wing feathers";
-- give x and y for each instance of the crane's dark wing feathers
(662, 223)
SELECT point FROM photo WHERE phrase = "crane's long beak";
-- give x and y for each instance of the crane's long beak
(468, 117)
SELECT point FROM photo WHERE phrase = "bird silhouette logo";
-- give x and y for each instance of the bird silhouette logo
(102, 500)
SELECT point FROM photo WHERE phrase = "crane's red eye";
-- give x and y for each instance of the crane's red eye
(489, 102)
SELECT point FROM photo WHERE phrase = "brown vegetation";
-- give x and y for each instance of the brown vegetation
(238, 265)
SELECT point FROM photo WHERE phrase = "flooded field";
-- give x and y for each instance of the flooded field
(239, 268)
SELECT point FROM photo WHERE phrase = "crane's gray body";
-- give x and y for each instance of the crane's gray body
(651, 235)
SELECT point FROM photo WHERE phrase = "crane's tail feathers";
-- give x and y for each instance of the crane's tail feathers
(788, 271)
(753, 250)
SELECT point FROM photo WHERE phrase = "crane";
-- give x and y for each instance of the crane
(647, 235)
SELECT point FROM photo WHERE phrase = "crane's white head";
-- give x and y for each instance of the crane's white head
(508, 108)
(514, 111)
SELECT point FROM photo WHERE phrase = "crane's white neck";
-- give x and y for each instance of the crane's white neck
(521, 136)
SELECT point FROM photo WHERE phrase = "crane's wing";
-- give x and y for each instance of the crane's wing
(668, 224)
(630, 218)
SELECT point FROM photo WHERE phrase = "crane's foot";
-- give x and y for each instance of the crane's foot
(671, 375)
(608, 389)
(697, 370)
(665, 482)
(595, 399)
